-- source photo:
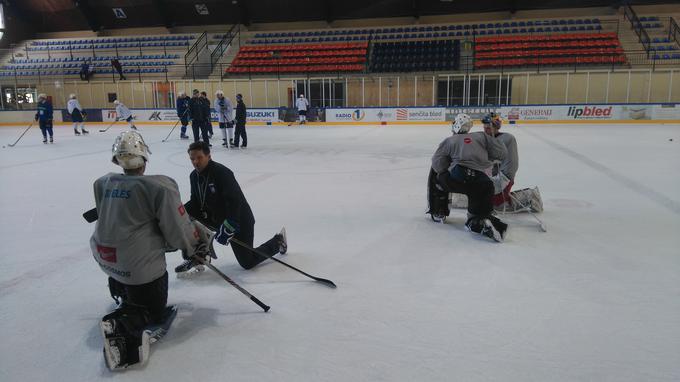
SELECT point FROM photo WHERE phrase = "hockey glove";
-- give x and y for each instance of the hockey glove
(226, 232)
(200, 250)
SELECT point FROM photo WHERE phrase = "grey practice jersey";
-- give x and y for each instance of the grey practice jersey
(140, 217)
(474, 150)
(510, 164)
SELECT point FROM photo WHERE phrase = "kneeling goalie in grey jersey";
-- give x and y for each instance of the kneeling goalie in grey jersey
(458, 166)
(140, 218)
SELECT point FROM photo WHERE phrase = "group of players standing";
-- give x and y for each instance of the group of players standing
(196, 109)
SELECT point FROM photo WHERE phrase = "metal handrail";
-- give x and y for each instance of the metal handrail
(192, 53)
(629, 13)
(674, 30)
(224, 43)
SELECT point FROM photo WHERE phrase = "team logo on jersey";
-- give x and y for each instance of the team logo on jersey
(181, 210)
(107, 254)
(467, 140)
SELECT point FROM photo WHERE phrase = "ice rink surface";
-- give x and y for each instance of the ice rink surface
(596, 298)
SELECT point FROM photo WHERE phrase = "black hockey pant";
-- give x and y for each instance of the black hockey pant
(45, 128)
(152, 296)
(478, 188)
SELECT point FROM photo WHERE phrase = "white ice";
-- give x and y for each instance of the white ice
(595, 298)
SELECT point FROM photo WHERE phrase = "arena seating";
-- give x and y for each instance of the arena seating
(344, 57)
(111, 43)
(560, 49)
(408, 56)
(429, 31)
(64, 57)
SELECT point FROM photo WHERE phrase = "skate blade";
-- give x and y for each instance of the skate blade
(191, 273)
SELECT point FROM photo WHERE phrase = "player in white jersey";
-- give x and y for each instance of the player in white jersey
(123, 113)
(225, 111)
(302, 105)
(77, 114)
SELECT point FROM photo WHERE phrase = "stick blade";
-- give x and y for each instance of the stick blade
(326, 282)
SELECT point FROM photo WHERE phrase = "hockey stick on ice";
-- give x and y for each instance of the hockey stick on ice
(22, 134)
(104, 130)
(326, 282)
(92, 215)
(175, 126)
(233, 283)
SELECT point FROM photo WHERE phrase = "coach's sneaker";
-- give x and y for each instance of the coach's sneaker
(283, 241)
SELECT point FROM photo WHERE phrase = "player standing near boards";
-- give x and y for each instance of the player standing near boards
(183, 113)
(206, 106)
(44, 117)
(77, 114)
(198, 117)
(302, 105)
(224, 110)
(241, 116)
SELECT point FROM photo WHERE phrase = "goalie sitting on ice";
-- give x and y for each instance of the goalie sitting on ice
(503, 176)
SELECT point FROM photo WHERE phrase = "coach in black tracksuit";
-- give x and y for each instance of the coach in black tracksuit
(198, 117)
(217, 201)
(241, 115)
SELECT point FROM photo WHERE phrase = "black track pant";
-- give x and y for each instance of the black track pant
(240, 132)
(200, 126)
(152, 296)
(245, 257)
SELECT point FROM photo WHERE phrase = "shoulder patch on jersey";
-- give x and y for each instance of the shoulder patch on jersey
(467, 140)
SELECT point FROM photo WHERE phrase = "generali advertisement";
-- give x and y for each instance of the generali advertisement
(591, 112)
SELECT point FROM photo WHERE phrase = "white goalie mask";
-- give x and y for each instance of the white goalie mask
(129, 151)
(462, 124)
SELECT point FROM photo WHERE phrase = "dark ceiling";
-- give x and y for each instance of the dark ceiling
(69, 15)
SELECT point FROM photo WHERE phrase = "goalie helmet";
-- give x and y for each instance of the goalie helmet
(462, 124)
(72, 96)
(219, 93)
(116, 102)
(129, 151)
